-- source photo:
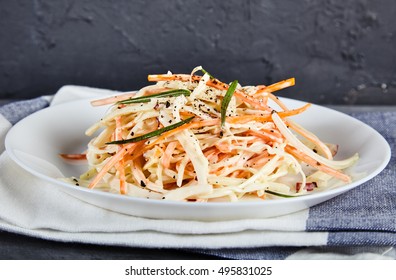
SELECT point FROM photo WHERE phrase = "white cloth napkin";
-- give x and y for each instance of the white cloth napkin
(32, 206)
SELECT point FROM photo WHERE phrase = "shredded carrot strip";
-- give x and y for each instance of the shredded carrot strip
(74, 156)
(266, 135)
(112, 99)
(123, 96)
(172, 77)
(307, 159)
(121, 171)
(311, 138)
(210, 153)
(235, 174)
(243, 174)
(259, 160)
(263, 90)
(128, 148)
(120, 165)
(266, 118)
(166, 158)
(277, 86)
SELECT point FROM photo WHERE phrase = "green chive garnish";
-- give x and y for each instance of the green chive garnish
(206, 72)
(226, 101)
(145, 99)
(280, 194)
(152, 134)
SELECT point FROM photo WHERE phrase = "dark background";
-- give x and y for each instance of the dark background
(341, 52)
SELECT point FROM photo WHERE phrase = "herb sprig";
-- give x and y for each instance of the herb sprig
(226, 101)
(152, 134)
(145, 99)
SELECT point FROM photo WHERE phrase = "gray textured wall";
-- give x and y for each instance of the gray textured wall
(341, 52)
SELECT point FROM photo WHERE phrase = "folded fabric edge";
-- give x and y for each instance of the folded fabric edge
(221, 246)
(74, 92)
(304, 253)
(5, 126)
(150, 239)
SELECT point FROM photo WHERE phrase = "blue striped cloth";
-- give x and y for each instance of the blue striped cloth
(17, 110)
(362, 221)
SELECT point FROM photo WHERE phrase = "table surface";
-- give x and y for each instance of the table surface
(16, 246)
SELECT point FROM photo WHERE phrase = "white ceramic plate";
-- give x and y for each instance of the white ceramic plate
(35, 142)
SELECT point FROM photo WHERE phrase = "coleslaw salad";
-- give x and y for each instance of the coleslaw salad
(191, 137)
